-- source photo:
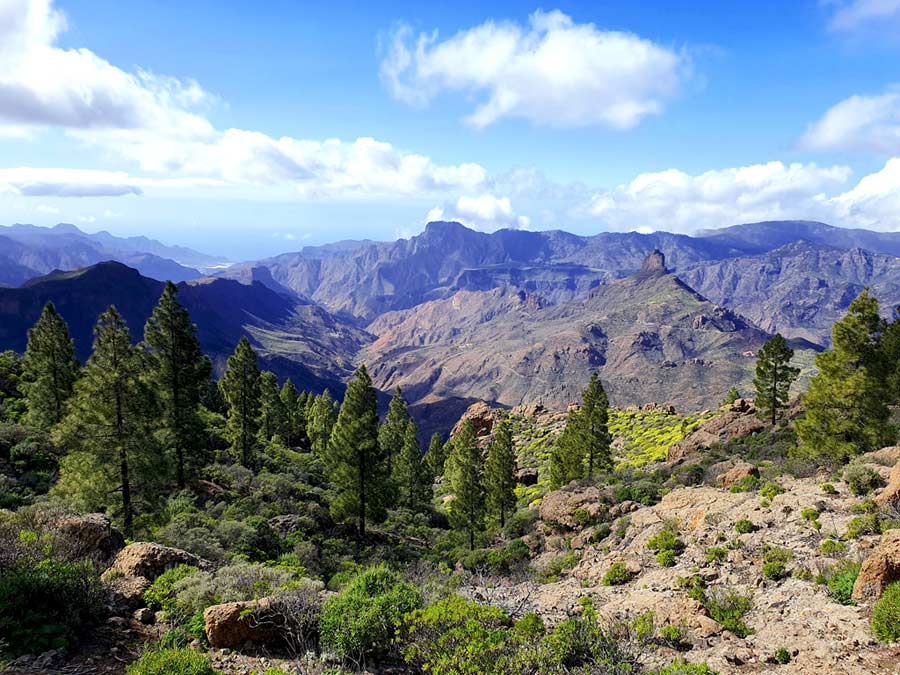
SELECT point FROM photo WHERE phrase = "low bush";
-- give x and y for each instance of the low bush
(783, 656)
(172, 662)
(45, 604)
(681, 667)
(359, 622)
(860, 479)
(744, 526)
(832, 548)
(771, 490)
(862, 525)
(829, 489)
(616, 575)
(886, 615)
(716, 554)
(666, 558)
(840, 580)
(161, 594)
(726, 606)
(746, 484)
(775, 563)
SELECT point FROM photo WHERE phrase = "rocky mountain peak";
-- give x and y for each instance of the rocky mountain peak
(654, 264)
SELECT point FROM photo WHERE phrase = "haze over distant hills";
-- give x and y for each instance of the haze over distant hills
(455, 315)
(27, 251)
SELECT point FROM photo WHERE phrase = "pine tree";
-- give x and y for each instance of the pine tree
(111, 412)
(392, 432)
(410, 475)
(774, 376)
(846, 402)
(466, 474)
(436, 455)
(272, 413)
(321, 417)
(295, 414)
(49, 370)
(500, 473)
(592, 428)
(354, 463)
(566, 456)
(180, 373)
(240, 386)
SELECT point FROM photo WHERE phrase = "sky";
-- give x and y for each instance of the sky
(247, 129)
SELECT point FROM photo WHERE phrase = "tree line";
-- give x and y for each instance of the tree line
(137, 420)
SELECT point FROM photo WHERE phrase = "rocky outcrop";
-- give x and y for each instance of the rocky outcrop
(741, 471)
(149, 560)
(572, 508)
(727, 426)
(234, 623)
(890, 495)
(879, 569)
(482, 416)
(88, 536)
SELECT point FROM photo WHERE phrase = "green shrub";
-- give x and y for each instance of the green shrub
(161, 594)
(860, 479)
(771, 490)
(666, 539)
(529, 626)
(616, 575)
(832, 548)
(728, 608)
(671, 634)
(666, 558)
(862, 525)
(886, 615)
(559, 564)
(360, 621)
(171, 662)
(829, 489)
(716, 554)
(602, 531)
(497, 561)
(744, 526)
(45, 604)
(457, 636)
(840, 581)
(783, 656)
(681, 667)
(582, 517)
(745, 484)
(775, 563)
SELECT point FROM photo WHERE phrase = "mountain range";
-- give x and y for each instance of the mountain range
(27, 252)
(455, 315)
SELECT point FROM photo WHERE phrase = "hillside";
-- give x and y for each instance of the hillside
(651, 337)
(294, 338)
(799, 289)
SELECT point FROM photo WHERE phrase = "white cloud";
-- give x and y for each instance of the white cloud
(152, 121)
(854, 15)
(859, 123)
(676, 201)
(47, 209)
(874, 202)
(552, 72)
(42, 84)
(482, 212)
(34, 182)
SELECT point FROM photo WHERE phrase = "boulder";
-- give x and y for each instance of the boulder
(890, 495)
(482, 417)
(234, 623)
(558, 508)
(125, 594)
(720, 429)
(880, 569)
(89, 536)
(739, 472)
(527, 476)
(149, 560)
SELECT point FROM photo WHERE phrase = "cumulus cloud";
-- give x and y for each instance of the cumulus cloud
(485, 212)
(849, 16)
(859, 123)
(679, 202)
(33, 182)
(676, 201)
(552, 71)
(152, 120)
(41, 83)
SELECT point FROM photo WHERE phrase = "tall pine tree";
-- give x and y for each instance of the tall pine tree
(111, 412)
(846, 402)
(410, 474)
(49, 370)
(272, 413)
(774, 376)
(436, 456)
(320, 419)
(240, 386)
(180, 372)
(567, 456)
(466, 474)
(355, 465)
(500, 473)
(295, 415)
(592, 428)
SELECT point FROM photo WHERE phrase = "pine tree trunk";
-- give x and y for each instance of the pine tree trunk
(361, 527)
(774, 393)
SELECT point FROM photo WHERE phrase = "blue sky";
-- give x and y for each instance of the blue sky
(246, 129)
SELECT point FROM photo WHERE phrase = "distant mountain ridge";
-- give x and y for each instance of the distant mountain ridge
(27, 251)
